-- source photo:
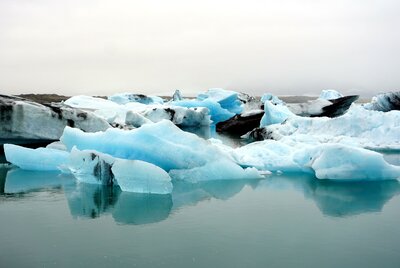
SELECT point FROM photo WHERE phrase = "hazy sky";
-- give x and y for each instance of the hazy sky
(101, 47)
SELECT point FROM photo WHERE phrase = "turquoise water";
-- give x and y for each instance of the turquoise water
(48, 220)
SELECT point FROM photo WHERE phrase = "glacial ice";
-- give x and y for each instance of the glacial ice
(341, 162)
(136, 113)
(330, 94)
(35, 159)
(220, 169)
(131, 175)
(227, 99)
(217, 113)
(177, 95)
(141, 177)
(24, 119)
(162, 144)
(384, 102)
(275, 113)
(124, 98)
(327, 161)
(358, 127)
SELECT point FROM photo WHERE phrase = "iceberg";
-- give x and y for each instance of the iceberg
(223, 169)
(217, 113)
(228, 100)
(384, 102)
(275, 114)
(162, 144)
(24, 119)
(131, 175)
(124, 98)
(358, 127)
(177, 95)
(330, 94)
(35, 159)
(326, 161)
(123, 114)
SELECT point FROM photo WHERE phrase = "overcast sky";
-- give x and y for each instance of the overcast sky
(101, 47)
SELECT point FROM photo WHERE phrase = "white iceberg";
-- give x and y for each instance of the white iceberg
(358, 127)
(329, 94)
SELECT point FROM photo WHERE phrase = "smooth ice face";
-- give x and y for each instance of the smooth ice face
(90, 103)
(141, 177)
(136, 176)
(35, 159)
(330, 94)
(221, 169)
(217, 113)
(340, 162)
(272, 98)
(124, 98)
(226, 98)
(275, 114)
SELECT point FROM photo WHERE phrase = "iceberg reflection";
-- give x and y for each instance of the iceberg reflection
(23, 181)
(340, 198)
(92, 201)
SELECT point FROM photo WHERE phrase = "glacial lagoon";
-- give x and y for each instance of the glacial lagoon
(49, 220)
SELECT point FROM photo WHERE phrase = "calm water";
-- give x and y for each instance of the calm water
(48, 220)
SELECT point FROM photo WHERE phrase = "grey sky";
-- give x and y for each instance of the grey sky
(284, 47)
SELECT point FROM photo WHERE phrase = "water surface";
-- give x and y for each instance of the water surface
(49, 220)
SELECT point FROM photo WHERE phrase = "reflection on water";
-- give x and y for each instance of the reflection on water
(340, 198)
(87, 201)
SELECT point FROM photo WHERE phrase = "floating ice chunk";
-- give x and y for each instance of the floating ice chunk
(141, 177)
(177, 95)
(335, 161)
(275, 114)
(384, 102)
(131, 175)
(35, 159)
(217, 113)
(91, 167)
(162, 144)
(269, 155)
(180, 116)
(136, 119)
(360, 127)
(226, 98)
(57, 145)
(124, 98)
(90, 103)
(272, 98)
(330, 94)
(23, 119)
(223, 169)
